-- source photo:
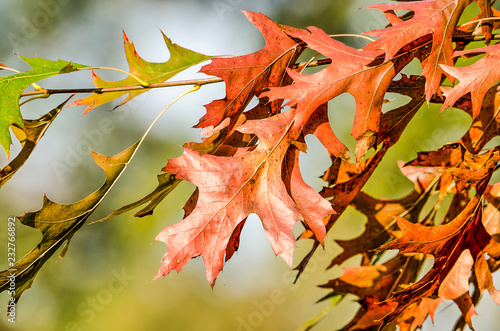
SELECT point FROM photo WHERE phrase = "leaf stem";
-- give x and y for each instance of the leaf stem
(193, 89)
(40, 96)
(200, 82)
(480, 21)
(9, 69)
(351, 35)
(140, 81)
(139, 143)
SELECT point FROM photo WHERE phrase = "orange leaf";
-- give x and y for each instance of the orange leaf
(247, 75)
(230, 188)
(436, 17)
(350, 72)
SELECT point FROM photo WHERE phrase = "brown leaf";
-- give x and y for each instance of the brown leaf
(373, 284)
(379, 213)
(486, 125)
(29, 137)
(447, 244)
(342, 193)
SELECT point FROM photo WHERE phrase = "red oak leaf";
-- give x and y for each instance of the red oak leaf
(373, 284)
(486, 125)
(348, 179)
(455, 285)
(429, 166)
(413, 317)
(447, 156)
(436, 17)
(247, 75)
(230, 188)
(319, 125)
(491, 218)
(476, 78)
(481, 24)
(447, 243)
(375, 280)
(485, 279)
(349, 72)
(422, 177)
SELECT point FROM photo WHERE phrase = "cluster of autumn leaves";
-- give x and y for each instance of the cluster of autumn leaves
(248, 161)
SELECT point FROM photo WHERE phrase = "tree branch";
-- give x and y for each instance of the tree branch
(204, 81)
(100, 90)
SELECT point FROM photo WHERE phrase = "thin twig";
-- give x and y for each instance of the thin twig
(351, 35)
(125, 88)
(203, 81)
(475, 38)
(481, 20)
(140, 81)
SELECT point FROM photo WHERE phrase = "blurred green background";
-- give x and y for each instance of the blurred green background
(104, 283)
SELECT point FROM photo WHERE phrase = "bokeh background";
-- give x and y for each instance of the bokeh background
(104, 282)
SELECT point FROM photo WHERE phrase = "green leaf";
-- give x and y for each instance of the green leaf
(58, 223)
(12, 86)
(180, 59)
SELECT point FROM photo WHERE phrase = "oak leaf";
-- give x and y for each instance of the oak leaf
(59, 223)
(166, 184)
(486, 125)
(446, 243)
(436, 17)
(377, 229)
(149, 72)
(350, 72)
(413, 317)
(481, 24)
(476, 78)
(319, 125)
(491, 218)
(373, 284)
(246, 76)
(230, 188)
(12, 86)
